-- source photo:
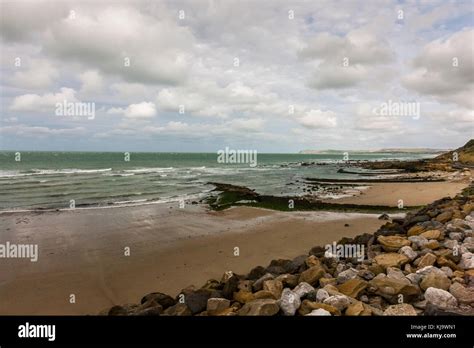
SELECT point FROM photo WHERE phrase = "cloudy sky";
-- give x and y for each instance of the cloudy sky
(276, 76)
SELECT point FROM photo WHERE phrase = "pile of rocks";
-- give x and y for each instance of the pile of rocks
(422, 264)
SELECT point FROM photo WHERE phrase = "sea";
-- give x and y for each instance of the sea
(62, 180)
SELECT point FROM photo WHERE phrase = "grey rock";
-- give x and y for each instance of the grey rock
(440, 298)
(408, 252)
(321, 295)
(467, 261)
(339, 301)
(346, 275)
(289, 302)
(414, 278)
(258, 285)
(450, 243)
(448, 271)
(302, 289)
(458, 236)
(319, 312)
(418, 241)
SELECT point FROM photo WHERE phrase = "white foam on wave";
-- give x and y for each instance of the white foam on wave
(149, 170)
(14, 174)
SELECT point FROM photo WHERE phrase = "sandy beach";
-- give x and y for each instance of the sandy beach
(82, 251)
(412, 194)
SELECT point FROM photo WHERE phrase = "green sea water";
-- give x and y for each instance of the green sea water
(32, 180)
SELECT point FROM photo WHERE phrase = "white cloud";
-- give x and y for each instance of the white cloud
(143, 110)
(40, 131)
(436, 74)
(344, 61)
(318, 119)
(360, 46)
(283, 62)
(45, 102)
(92, 82)
(123, 41)
(38, 73)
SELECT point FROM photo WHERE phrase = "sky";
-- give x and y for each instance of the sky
(271, 76)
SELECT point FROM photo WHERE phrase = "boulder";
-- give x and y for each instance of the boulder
(258, 285)
(390, 288)
(288, 280)
(264, 294)
(408, 252)
(391, 260)
(352, 287)
(265, 307)
(319, 312)
(338, 301)
(357, 309)
(281, 266)
(344, 276)
(415, 230)
(312, 261)
(302, 289)
(308, 306)
(435, 280)
(217, 305)
(443, 261)
(243, 296)
(231, 285)
(289, 302)
(400, 309)
(393, 243)
(312, 275)
(418, 242)
(321, 295)
(440, 298)
(196, 300)
(462, 294)
(432, 244)
(273, 286)
(162, 299)
(326, 281)
(467, 261)
(444, 216)
(432, 234)
(256, 273)
(426, 260)
(179, 309)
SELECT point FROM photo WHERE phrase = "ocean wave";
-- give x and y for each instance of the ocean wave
(119, 174)
(131, 201)
(149, 170)
(33, 172)
(117, 204)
